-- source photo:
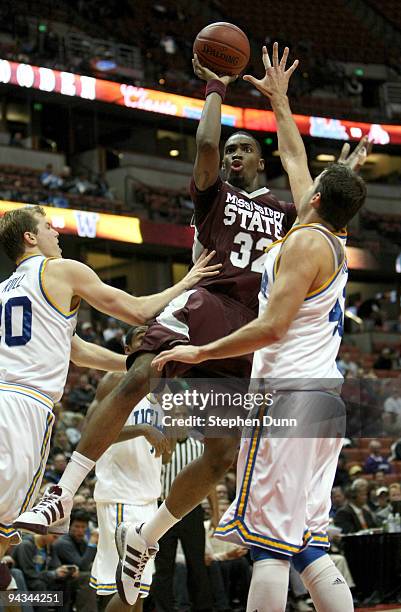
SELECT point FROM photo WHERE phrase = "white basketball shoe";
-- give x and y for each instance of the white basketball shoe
(50, 515)
(134, 554)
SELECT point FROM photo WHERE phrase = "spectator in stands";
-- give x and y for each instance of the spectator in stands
(376, 461)
(82, 395)
(111, 330)
(380, 478)
(230, 561)
(342, 477)
(393, 403)
(384, 361)
(395, 451)
(87, 332)
(354, 472)
(59, 465)
(74, 549)
(347, 367)
(355, 515)
(103, 188)
(392, 496)
(382, 501)
(116, 343)
(82, 185)
(230, 482)
(16, 140)
(338, 500)
(38, 561)
(61, 443)
(50, 179)
(73, 432)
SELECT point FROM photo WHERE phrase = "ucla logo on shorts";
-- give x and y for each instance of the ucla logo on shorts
(264, 284)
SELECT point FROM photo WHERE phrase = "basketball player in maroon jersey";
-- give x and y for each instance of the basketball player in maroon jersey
(238, 219)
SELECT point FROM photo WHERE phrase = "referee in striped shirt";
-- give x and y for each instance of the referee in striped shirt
(189, 531)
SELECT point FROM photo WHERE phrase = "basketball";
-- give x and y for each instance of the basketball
(223, 48)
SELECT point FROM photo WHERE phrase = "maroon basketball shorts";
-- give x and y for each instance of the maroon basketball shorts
(197, 317)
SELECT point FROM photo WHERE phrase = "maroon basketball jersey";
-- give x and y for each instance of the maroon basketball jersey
(238, 226)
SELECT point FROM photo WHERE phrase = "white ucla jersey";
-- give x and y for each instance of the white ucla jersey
(35, 335)
(310, 347)
(128, 472)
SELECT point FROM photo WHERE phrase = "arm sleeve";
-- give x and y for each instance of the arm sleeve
(203, 200)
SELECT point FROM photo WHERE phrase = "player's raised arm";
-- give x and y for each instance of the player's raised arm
(82, 281)
(207, 162)
(274, 85)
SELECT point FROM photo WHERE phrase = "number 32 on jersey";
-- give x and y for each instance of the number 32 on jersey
(242, 258)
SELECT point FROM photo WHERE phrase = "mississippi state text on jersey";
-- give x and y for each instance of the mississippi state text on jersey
(238, 226)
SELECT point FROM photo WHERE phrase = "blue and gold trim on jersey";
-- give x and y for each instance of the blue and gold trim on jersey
(24, 258)
(66, 315)
(37, 479)
(30, 392)
(316, 226)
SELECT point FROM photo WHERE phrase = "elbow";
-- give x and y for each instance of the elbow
(206, 144)
(274, 334)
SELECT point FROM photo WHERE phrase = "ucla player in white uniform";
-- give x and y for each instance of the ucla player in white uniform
(283, 484)
(128, 482)
(38, 308)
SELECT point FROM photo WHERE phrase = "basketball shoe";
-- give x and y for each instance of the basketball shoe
(50, 515)
(134, 554)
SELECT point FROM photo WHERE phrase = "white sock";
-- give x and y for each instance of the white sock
(327, 586)
(75, 472)
(269, 586)
(158, 525)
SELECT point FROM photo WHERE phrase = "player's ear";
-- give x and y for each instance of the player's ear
(261, 165)
(315, 201)
(30, 238)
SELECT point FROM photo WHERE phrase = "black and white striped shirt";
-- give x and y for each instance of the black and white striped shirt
(185, 451)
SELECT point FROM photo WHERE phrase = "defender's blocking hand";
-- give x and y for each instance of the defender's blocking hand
(275, 81)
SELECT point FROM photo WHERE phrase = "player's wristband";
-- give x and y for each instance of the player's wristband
(215, 86)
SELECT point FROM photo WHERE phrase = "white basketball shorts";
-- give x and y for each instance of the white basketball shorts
(103, 575)
(26, 421)
(284, 483)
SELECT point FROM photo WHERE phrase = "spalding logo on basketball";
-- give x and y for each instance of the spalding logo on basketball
(223, 48)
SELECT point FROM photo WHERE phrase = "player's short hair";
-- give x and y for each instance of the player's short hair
(13, 226)
(249, 135)
(342, 194)
(132, 332)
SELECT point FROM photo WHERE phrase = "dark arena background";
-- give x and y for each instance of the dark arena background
(99, 107)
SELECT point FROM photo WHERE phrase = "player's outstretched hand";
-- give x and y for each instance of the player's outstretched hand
(275, 81)
(156, 439)
(185, 354)
(357, 158)
(207, 75)
(201, 269)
